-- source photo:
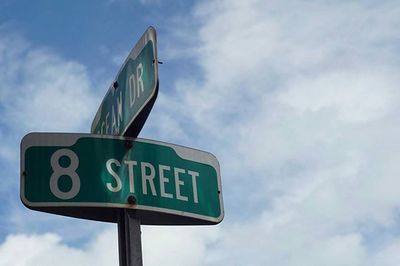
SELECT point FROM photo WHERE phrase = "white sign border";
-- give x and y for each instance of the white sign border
(69, 139)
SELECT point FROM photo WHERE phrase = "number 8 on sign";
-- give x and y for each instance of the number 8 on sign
(69, 171)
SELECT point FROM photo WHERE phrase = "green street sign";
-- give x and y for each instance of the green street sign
(131, 96)
(91, 176)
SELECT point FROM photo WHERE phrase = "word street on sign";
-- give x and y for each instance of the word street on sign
(79, 174)
(131, 96)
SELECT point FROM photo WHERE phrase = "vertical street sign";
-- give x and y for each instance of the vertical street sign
(163, 183)
(131, 96)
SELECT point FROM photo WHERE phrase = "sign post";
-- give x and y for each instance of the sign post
(129, 239)
(128, 103)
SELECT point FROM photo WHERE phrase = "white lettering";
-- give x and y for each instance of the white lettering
(139, 79)
(132, 90)
(119, 108)
(114, 174)
(148, 173)
(59, 171)
(107, 124)
(148, 177)
(194, 185)
(179, 183)
(113, 121)
(131, 176)
(164, 180)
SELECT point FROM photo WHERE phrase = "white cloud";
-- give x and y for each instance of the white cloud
(39, 91)
(299, 102)
(42, 91)
(48, 249)
(355, 95)
(161, 246)
(168, 245)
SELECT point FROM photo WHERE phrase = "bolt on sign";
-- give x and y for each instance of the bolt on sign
(90, 176)
(131, 96)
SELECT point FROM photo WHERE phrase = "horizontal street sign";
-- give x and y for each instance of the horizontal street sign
(131, 96)
(91, 176)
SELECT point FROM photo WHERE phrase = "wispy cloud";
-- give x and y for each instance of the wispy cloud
(40, 91)
(47, 249)
(299, 102)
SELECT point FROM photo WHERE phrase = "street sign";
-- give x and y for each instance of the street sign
(91, 176)
(131, 96)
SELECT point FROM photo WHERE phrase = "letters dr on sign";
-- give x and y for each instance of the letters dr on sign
(132, 94)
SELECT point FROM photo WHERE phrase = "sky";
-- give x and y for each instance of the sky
(298, 100)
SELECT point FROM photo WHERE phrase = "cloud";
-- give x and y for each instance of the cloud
(161, 245)
(355, 95)
(299, 102)
(41, 90)
(178, 245)
(48, 249)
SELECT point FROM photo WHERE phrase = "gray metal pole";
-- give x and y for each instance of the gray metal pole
(129, 239)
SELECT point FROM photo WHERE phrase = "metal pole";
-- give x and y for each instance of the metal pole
(129, 239)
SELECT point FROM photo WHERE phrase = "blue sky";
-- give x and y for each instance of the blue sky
(298, 100)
